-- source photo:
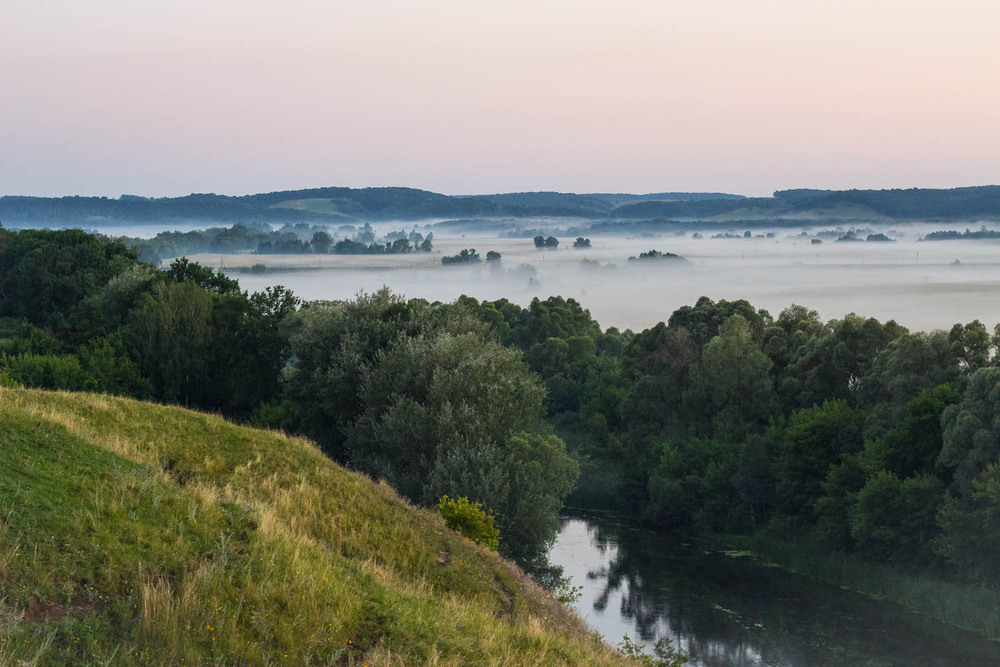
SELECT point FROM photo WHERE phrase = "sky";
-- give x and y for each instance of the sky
(158, 98)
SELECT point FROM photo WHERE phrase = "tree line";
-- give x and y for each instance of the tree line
(856, 433)
(258, 237)
(418, 394)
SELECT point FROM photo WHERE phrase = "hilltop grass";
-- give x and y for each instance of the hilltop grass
(135, 533)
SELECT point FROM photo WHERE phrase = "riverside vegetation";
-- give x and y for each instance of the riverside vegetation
(851, 436)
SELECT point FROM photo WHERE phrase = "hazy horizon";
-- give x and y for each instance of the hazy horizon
(485, 193)
(112, 97)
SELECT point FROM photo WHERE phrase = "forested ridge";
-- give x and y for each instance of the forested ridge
(340, 204)
(724, 419)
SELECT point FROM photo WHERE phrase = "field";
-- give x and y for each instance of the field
(922, 285)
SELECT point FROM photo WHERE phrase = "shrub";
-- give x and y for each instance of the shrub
(664, 653)
(467, 256)
(469, 519)
(47, 371)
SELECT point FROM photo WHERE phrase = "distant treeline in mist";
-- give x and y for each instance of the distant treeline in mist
(952, 235)
(259, 238)
(854, 434)
(338, 205)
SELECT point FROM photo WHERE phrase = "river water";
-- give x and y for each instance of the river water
(727, 611)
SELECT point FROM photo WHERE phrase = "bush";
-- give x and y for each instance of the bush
(469, 519)
(467, 256)
(664, 653)
(47, 371)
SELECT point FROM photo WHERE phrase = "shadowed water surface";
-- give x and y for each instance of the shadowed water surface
(731, 612)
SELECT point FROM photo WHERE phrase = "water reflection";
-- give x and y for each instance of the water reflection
(730, 612)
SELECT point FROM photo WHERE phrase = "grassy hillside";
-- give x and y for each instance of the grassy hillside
(134, 533)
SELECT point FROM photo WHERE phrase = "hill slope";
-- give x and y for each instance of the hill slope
(137, 533)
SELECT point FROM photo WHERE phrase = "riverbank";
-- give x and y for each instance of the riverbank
(739, 612)
(965, 606)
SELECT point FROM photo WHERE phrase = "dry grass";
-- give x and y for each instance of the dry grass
(173, 537)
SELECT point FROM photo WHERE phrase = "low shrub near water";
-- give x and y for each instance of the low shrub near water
(969, 606)
(469, 519)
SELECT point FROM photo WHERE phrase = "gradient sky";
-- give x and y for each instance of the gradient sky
(164, 98)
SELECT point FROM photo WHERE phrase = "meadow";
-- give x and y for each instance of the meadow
(922, 285)
(134, 533)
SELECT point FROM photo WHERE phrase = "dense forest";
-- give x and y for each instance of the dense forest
(724, 419)
(899, 204)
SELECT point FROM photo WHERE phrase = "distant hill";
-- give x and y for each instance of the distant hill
(915, 204)
(592, 205)
(138, 533)
(340, 205)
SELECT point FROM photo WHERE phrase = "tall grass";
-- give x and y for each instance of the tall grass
(598, 487)
(137, 533)
(974, 608)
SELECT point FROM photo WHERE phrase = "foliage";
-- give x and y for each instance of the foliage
(806, 447)
(45, 274)
(731, 389)
(469, 519)
(467, 256)
(970, 431)
(664, 653)
(655, 255)
(854, 432)
(183, 271)
(970, 530)
(47, 371)
(422, 397)
(546, 243)
(895, 520)
(913, 444)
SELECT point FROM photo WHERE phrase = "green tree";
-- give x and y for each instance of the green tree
(970, 529)
(912, 445)
(705, 319)
(171, 337)
(469, 519)
(971, 345)
(256, 348)
(833, 362)
(910, 364)
(840, 492)
(731, 388)
(895, 520)
(183, 270)
(806, 447)
(971, 432)
(45, 274)
(333, 345)
(321, 242)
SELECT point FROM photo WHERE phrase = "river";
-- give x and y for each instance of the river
(731, 612)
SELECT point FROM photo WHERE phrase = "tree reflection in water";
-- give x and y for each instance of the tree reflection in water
(729, 612)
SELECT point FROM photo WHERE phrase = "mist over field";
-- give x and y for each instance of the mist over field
(923, 285)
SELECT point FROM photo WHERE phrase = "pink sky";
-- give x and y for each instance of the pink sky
(165, 98)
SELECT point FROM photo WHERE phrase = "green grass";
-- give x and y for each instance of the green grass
(971, 607)
(135, 533)
(321, 206)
